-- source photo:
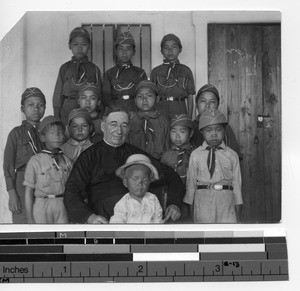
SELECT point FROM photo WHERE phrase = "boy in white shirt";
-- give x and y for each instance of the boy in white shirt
(139, 205)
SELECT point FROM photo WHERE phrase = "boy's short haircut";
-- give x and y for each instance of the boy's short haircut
(112, 109)
(79, 31)
(181, 119)
(125, 38)
(138, 159)
(48, 121)
(80, 112)
(92, 87)
(147, 84)
(211, 117)
(171, 36)
(208, 88)
(32, 92)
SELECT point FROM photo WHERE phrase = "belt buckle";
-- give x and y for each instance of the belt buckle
(51, 196)
(217, 186)
(125, 97)
(171, 98)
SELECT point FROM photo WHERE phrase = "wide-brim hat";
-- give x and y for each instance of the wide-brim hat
(208, 88)
(210, 117)
(125, 38)
(33, 92)
(171, 36)
(79, 112)
(148, 84)
(181, 119)
(50, 119)
(138, 159)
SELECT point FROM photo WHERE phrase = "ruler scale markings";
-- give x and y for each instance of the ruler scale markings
(229, 265)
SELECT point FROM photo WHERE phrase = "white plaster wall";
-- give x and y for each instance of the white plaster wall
(11, 85)
(37, 46)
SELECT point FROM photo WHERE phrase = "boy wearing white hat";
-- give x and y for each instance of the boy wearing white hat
(214, 178)
(138, 205)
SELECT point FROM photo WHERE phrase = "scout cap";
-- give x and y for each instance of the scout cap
(148, 84)
(90, 86)
(32, 92)
(181, 119)
(79, 31)
(171, 36)
(49, 120)
(208, 88)
(80, 112)
(210, 117)
(138, 159)
(125, 38)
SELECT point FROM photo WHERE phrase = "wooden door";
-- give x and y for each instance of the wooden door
(244, 63)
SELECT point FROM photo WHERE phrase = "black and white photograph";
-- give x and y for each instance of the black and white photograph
(196, 92)
(144, 118)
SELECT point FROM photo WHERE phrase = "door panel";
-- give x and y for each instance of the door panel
(244, 64)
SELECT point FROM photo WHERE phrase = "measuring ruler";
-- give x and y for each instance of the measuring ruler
(142, 256)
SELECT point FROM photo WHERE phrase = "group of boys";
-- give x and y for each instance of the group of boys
(38, 159)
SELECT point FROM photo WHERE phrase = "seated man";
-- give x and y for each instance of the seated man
(93, 175)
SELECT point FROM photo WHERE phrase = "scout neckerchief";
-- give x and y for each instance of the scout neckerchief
(33, 133)
(83, 71)
(147, 125)
(172, 66)
(121, 67)
(211, 158)
(184, 150)
(80, 146)
(55, 154)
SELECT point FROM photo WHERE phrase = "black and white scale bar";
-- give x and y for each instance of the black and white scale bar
(227, 270)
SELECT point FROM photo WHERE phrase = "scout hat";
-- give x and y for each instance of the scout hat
(32, 92)
(210, 117)
(79, 31)
(171, 36)
(148, 84)
(49, 120)
(138, 159)
(181, 119)
(125, 38)
(208, 88)
(89, 86)
(79, 112)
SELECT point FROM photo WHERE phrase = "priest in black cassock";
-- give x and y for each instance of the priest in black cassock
(93, 189)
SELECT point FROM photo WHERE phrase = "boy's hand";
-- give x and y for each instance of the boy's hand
(172, 212)
(14, 203)
(97, 219)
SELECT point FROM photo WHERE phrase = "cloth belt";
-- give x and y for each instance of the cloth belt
(171, 98)
(52, 196)
(215, 187)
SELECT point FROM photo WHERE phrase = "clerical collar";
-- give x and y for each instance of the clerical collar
(114, 146)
